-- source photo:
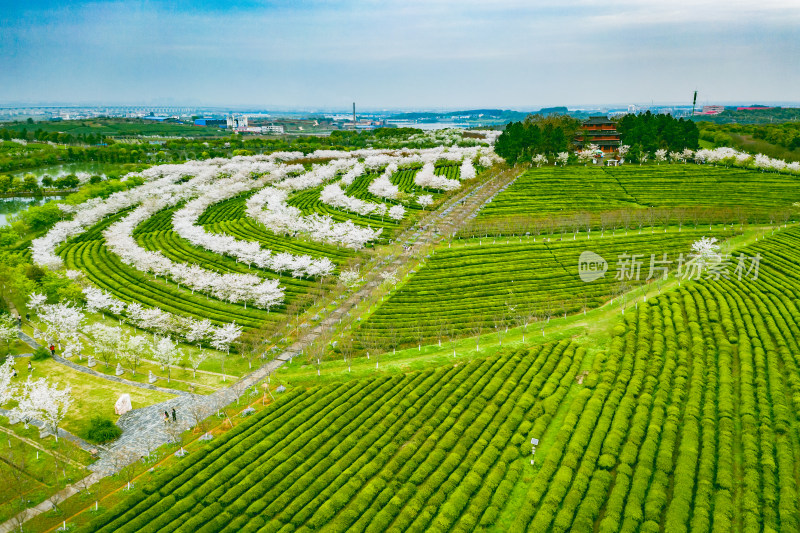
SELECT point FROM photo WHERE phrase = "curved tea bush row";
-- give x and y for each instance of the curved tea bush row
(173, 246)
(308, 202)
(229, 217)
(468, 285)
(177, 249)
(393, 452)
(107, 272)
(692, 423)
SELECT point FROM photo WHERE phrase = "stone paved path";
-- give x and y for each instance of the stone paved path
(87, 370)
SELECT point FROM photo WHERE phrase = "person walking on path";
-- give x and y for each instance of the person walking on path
(52, 349)
(174, 416)
(19, 322)
(166, 418)
(30, 368)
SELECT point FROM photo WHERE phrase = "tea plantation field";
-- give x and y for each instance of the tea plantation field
(687, 420)
(650, 194)
(467, 289)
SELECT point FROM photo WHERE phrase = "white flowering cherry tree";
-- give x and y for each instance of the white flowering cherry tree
(41, 400)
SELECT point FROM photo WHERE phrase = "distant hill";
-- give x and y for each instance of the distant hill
(755, 114)
(550, 110)
(502, 114)
(505, 115)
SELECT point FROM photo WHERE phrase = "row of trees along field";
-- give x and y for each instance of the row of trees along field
(538, 134)
(775, 140)
(648, 132)
(37, 153)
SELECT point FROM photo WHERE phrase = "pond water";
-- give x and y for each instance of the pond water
(12, 206)
(57, 171)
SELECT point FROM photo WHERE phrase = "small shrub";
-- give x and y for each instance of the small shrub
(102, 430)
(40, 354)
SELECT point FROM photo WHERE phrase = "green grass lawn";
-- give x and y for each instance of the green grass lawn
(92, 395)
(33, 468)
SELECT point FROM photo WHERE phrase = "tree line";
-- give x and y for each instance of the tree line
(521, 141)
(647, 132)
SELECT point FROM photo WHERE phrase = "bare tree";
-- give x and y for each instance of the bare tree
(499, 327)
(476, 327)
(741, 214)
(537, 226)
(651, 218)
(696, 213)
(576, 225)
(175, 433)
(346, 347)
(238, 389)
(641, 216)
(785, 215)
(379, 344)
(441, 329)
(85, 485)
(198, 413)
(521, 319)
(680, 215)
(14, 476)
(605, 220)
(393, 337)
(419, 332)
(56, 497)
(563, 226)
(625, 218)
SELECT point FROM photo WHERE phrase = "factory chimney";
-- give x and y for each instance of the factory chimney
(354, 115)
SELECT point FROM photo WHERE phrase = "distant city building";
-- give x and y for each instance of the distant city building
(601, 131)
(711, 110)
(218, 122)
(237, 122)
(273, 128)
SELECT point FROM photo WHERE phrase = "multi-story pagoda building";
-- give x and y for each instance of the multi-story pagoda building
(600, 131)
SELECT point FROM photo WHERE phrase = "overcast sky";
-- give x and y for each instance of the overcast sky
(400, 54)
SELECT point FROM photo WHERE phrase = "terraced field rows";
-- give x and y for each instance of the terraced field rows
(483, 286)
(555, 191)
(107, 272)
(229, 217)
(433, 449)
(694, 424)
(178, 249)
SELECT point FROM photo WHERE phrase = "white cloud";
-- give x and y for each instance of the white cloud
(404, 53)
